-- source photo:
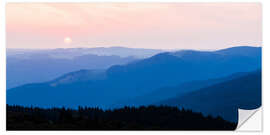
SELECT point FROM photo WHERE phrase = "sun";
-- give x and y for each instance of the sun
(67, 40)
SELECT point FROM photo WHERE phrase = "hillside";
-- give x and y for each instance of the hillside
(170, 92)
(223, 98)
(23, 69)
(135, 79)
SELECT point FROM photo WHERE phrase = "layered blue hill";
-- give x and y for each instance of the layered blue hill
(137, 78)
(170, 69)
(223, 98)
(24, 65)
(165, 93)
(39, 67)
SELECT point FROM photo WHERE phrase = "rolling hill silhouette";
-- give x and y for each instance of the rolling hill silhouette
(27, 69)
(137, 78)
(224, 98)
(170, 92)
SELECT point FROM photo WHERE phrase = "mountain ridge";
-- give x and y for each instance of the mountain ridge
(134, 79)
(224, 98)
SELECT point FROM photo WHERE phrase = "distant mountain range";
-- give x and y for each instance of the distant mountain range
(41, 67)
(69, 53)
(147, 80)
(56, 62)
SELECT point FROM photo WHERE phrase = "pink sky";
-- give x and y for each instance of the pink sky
(136, 25)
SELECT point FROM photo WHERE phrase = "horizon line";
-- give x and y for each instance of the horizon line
(176, 49)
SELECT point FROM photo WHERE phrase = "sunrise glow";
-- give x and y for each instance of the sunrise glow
(139, 25)
(67, 40)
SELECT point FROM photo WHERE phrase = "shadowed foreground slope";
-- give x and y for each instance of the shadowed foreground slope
(225, 98)
(127, 118)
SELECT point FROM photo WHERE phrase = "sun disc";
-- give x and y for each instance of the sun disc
(67, 40)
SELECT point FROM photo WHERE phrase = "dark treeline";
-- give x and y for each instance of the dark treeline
(127, 118)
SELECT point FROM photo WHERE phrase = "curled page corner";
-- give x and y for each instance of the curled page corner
(249, 120)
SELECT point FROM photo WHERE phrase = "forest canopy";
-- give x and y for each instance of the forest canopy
(126, 118)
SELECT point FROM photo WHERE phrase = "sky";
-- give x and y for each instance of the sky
(200, 26)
